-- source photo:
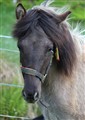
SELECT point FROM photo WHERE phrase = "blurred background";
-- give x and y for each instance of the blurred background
(11, 82)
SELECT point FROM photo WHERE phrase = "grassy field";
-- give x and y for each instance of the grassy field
(11, 100)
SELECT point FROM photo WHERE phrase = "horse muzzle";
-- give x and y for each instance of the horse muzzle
(30, 97)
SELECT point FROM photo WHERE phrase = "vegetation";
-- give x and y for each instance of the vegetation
(11, 101)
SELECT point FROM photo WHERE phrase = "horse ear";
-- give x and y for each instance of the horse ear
(20, 11)
(63, 16)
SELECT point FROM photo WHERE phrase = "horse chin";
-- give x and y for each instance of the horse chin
(31, 101)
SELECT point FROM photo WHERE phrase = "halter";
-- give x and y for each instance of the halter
(35, 73)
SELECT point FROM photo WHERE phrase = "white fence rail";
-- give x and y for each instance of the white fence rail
(5, 36)
(15, 117)
(8, 50)
(11, 85)
(14, 51)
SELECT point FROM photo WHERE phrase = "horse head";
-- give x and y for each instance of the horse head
(40, 35)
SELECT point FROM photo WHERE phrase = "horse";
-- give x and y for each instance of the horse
(52, 59)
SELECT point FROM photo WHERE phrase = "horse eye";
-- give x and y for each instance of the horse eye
(50, 49)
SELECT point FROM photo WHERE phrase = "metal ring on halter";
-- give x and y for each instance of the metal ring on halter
(35, 73)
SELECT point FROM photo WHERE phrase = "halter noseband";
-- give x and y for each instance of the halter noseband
(35, 73)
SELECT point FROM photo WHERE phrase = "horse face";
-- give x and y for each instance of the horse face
(34, 53)
(31, 30)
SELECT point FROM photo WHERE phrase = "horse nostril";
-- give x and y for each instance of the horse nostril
(36, 96)
(30, 97)
(24, 94)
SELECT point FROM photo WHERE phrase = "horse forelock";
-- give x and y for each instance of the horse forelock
(60, 34)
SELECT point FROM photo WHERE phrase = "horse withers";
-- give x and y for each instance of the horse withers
(51, 56)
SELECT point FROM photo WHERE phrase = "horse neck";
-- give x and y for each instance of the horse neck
(56, 78)
(57, 86)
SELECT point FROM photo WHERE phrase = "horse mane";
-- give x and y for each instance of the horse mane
(61, 34)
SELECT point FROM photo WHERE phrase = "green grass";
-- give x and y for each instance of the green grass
(7, 21)
(11, 102)
(9, 44)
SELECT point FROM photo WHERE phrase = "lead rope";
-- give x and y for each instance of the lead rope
(45, 105)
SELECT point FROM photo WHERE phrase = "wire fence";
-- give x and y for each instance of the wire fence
(5, 36)
(22, 118)
(11, 85)
(14, 51)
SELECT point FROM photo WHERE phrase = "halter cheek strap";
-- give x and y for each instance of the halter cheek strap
(35, 73)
